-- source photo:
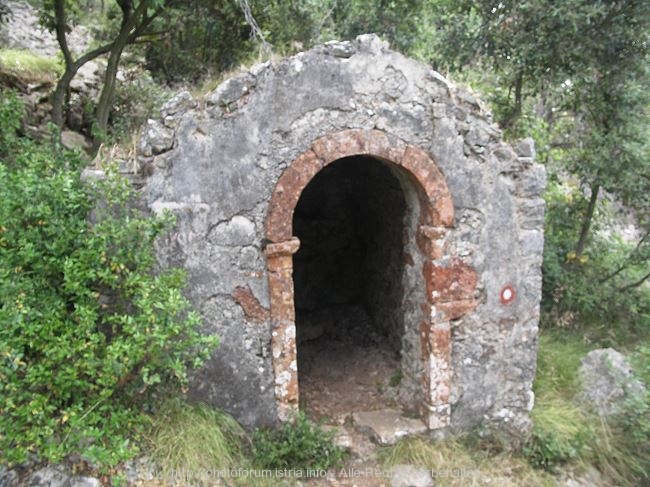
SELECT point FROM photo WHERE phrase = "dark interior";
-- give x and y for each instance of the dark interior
(348, 286)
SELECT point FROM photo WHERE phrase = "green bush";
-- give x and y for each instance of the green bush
(596, 291)
(298, 444)
(137, 98)
(90, 329)
(560, 434)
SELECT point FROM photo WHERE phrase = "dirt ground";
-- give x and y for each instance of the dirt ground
(346, 370)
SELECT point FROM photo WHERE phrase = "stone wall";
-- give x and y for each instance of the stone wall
(233, 164)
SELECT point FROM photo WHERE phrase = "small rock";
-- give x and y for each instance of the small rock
(371, 43)
(88, 77)
(590, 478)
(231, 90)
(607, 379)
(341, 438)
(78, 481)
(156, 139)
(343, 49)
(139, 469)
(525, 148)
(74, 140)
(387, 426)
(177, 104)
(410, 476)
(50, 476)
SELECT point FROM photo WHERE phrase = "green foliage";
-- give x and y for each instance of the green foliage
(580, 68)
(137, 99)
(90, 328)
(596, 289)
(558, 359)
(298, 444)
(560, 433)
(194, 437)
(202, 38)
(396, 378)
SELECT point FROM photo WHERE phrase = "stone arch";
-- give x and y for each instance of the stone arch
(449, 288)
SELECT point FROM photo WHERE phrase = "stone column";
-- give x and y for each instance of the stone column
(279, 264)
(435, 336)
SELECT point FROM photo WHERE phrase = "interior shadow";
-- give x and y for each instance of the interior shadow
(348, 285)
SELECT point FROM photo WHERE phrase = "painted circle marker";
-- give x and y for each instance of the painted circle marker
(507, 294)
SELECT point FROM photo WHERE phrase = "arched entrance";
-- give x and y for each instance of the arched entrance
(349, 288)
(439, 291)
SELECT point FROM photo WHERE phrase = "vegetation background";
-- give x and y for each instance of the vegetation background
(574, 75)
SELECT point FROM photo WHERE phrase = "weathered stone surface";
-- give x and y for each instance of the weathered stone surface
(466, 211)
(59, 476)
(156, 138)
(23, 31)
(410, 476)
(607, 380)
(387, 426)
(231, 90)
(8, 478)
(526, 148)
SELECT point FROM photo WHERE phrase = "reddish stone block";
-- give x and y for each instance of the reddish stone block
(440, 340)
(341, 144)
(380, 145)
(252, 308)
(454, 283)
(433, 181)
(433, 241)
(281, 296)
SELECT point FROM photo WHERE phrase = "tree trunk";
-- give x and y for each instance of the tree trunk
(59, 96)
(586, 222)
(105, 102)
(129, 21)
(515, 113)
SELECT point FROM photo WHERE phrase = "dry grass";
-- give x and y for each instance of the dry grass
(502, 469)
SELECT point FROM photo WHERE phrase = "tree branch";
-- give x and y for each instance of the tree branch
(635, 283)
(627, 261)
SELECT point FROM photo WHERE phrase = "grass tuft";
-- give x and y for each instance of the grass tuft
(558, 361)
(193, 437)
(503, 469)
(29, 67)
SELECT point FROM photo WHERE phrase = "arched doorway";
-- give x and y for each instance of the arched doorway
(429, 299)
(348, 287)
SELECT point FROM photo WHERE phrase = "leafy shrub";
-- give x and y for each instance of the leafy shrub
(560, 434)
(89, 329)
(298, 444)
(601, 289)
(137, 98)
